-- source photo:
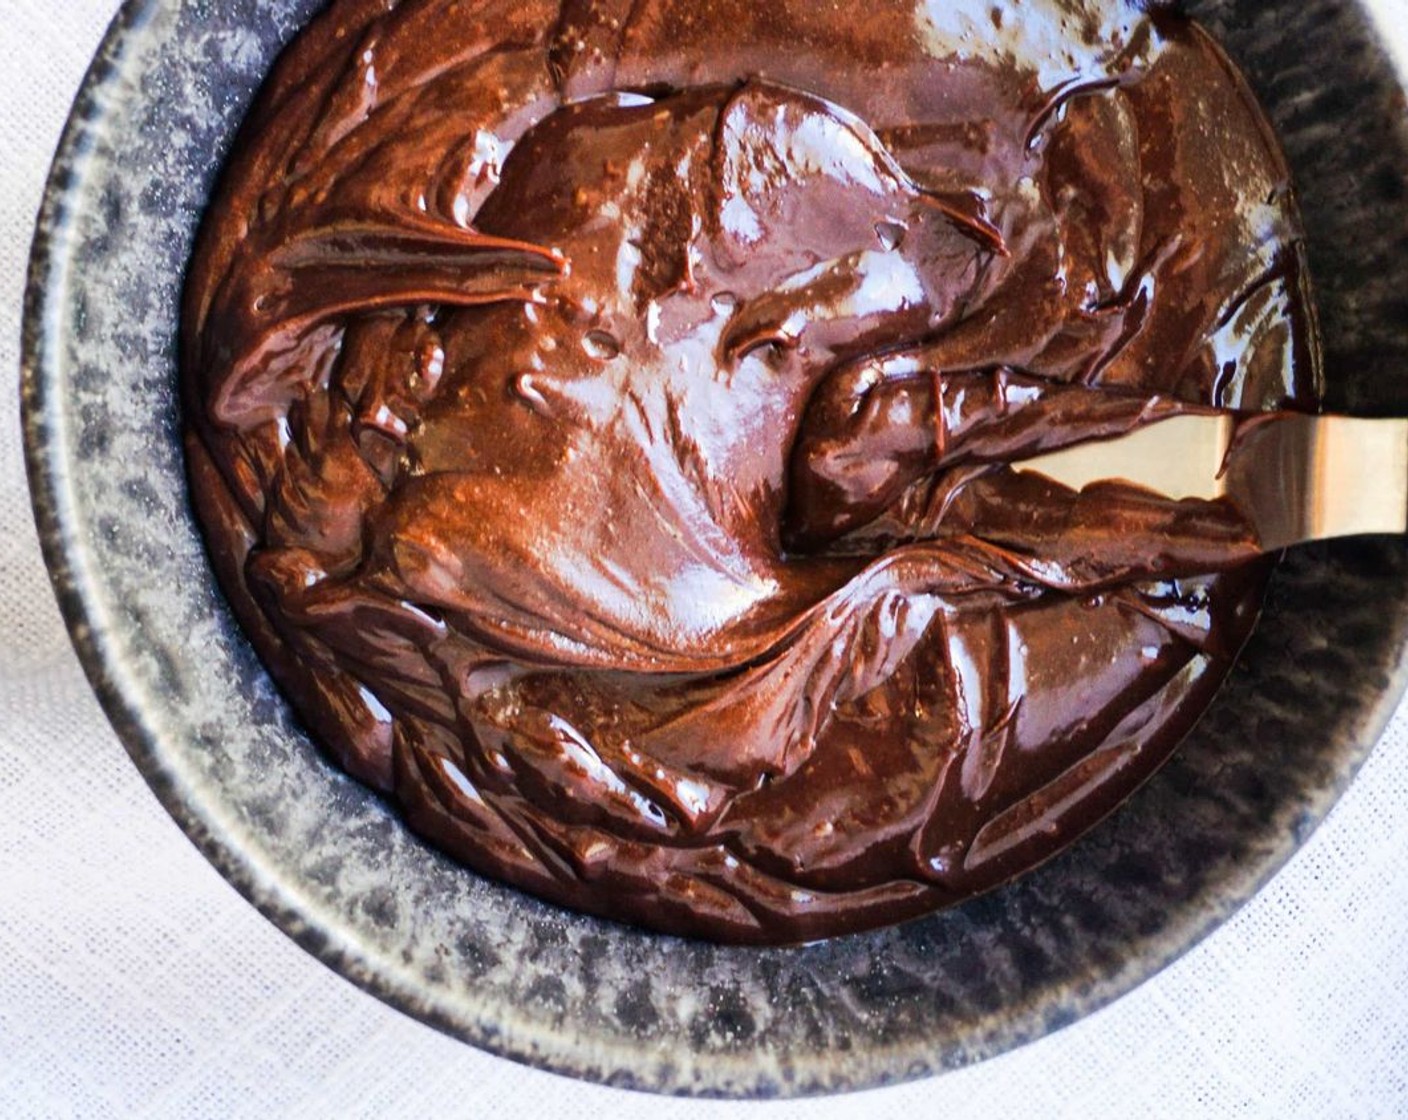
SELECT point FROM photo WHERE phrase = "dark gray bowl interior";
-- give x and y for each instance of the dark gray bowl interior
(326, 861)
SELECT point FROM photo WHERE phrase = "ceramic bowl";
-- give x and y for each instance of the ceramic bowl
(328, 862)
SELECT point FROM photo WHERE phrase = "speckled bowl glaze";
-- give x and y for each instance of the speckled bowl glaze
(325, 859)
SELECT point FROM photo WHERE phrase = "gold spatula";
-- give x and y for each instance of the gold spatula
(1294, 477)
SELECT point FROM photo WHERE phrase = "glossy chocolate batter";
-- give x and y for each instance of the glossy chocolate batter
(597, 411)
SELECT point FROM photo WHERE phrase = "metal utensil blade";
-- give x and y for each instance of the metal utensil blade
(1294, 477)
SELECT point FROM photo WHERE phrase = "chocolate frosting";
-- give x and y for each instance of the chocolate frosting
(598, 411)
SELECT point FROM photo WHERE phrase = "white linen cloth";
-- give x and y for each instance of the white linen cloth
(135, 982)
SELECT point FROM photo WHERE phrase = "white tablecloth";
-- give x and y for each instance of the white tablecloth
(135, 982)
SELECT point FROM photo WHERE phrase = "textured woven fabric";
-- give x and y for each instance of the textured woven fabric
(135, 982)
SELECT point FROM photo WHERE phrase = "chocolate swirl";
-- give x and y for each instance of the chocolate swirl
(598, 413)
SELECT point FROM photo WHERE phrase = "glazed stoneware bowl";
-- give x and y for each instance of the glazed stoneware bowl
(325, 859)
